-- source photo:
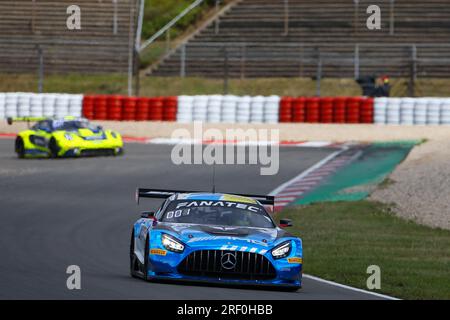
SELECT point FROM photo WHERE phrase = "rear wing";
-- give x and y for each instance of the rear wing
(10, 120)
(164, 194)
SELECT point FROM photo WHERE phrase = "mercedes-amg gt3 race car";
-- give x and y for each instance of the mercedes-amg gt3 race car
(66, 137)
(214, 237)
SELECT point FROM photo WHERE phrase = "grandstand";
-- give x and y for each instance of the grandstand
(102, 45)
(267, 38)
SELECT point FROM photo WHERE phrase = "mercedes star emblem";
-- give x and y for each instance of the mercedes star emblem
(228, 261)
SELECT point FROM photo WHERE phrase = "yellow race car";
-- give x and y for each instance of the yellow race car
(65, 137)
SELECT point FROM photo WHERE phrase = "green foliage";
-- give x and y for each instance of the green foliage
(159, 12)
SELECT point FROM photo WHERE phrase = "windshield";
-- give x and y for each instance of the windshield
(221, 213)
(71, 125)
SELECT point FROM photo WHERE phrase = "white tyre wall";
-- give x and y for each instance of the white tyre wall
(407, 111)
(215, 108)
(62, 105)
(380, 109)
(48, 104)
(445, 111)
(200, 109)
(11, 102)
(2, 106)
(36, 105)
(76, 105)
(229, 107)
(23, 105)
(243, 109)
(271, 109)
(257, 109)
(393, 111)
(434, 111)
(185, 109)
(420, 111)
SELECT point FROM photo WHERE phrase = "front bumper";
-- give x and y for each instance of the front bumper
(165, 265)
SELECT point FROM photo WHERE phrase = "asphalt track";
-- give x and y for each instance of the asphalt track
(56, 213)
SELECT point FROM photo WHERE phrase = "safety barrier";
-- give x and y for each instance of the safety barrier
(121, 108)
(326, 110)
(22, 104)
(412, 111)
(230, 109)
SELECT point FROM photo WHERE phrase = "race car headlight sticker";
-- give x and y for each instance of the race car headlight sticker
(68, 136)
(171, 244)
(282, 250)
(114, 135)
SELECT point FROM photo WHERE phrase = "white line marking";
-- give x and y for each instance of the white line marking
(349, 288)
(307, 172)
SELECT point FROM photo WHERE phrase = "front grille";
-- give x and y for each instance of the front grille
(215, 264)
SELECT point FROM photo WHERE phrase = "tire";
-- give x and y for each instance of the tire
(134, 262)
(146, 252)
(137, 269)
(20, 148)
(54, 148)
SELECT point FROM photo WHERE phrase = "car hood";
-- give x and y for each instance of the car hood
(88, 134)
(204, 236)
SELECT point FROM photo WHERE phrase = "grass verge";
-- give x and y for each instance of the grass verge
(342, 239)
(159, 86)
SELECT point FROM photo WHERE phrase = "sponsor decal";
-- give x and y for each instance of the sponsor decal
(229, 238)
(228, 197)
(158, 252)
(224, 204)
(295, 260)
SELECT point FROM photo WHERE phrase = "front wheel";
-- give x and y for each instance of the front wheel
(54, 148)
(20, 148)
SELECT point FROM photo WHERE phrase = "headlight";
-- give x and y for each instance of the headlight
(68, 136)
(171, 244)
(282, 250)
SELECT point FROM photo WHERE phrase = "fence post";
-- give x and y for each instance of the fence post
(392, 18)
(413, 72)
(115, 17)
(302, 53)
(183, 61)
(225, 71)
(356, 61)
(319, 76)
(40, 69)
(243, 58)
(286, 17)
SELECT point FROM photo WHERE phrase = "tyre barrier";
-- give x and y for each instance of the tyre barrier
(230, 108)
(412, 111)
(326, 110)
(23, 104)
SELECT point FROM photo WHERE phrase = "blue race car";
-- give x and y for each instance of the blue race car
(216, 238)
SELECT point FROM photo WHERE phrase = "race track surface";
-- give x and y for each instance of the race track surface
(56, 213)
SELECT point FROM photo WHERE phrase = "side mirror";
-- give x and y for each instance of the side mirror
(285, 223)
(147, 214)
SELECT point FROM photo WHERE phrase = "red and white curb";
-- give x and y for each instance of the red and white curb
(308, 180)
(172, 141)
